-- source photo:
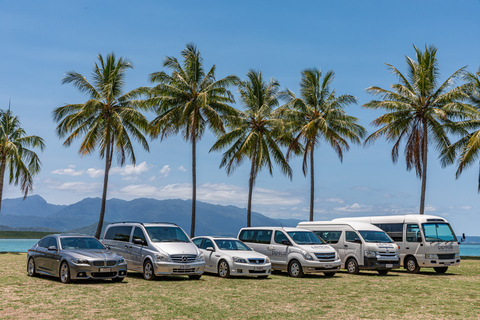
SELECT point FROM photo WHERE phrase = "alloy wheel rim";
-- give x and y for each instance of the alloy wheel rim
(351, 266)
(295, 269)
(148, 271)
(223, 269)
(411, 265)
(64, 272)
(31, 267)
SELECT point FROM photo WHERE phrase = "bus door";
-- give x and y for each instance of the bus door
(413, 242)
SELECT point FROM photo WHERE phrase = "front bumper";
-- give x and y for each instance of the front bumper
(91, 272)
(171, 268)
(249, 270)
(317, 266)
(377, 264)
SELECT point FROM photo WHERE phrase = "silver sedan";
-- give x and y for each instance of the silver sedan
(71, 257)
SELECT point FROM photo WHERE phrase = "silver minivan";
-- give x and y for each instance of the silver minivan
(155, 249)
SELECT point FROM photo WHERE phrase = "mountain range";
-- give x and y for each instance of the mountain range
(35, 214)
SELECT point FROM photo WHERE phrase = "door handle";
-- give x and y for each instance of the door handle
(407, 248)
(128, 247)
(345, 246)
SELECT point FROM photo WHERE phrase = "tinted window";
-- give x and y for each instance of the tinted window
(197, 242)
(84, 243)
(394, 230)
(413, 233)
(256, 236)
(207, 243)
(375, 236)
(438, 232)
(231, 245)
(45, 242)
(52, 242)
(167, 234)
(305, 237)
(138, 234)
(351, 236)
(279, 236)
(329, 236)
(41, 242)
(119, 233)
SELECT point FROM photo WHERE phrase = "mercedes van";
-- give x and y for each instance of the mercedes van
(424, 241)
(155, 249)
(294, 250)
(361, 245)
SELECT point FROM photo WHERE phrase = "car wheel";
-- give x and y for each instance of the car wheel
(65, 273)
(411, 265)
(441, 269)
(194, 276)
(329, 274)
(295, 269)
(223, 269)
(383, 272)
(31, 268)
(352, 266)
(118, 279)
(148, 271)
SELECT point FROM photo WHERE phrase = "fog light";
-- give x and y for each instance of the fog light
(239, 271)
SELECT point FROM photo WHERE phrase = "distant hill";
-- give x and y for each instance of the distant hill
(33, 205)
(82, 217)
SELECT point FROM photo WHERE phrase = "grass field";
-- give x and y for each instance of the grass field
(455, 295)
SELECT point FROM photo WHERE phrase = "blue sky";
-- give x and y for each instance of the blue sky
(41, 40)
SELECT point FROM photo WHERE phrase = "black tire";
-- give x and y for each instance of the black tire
(383, 272)
(295, 269)
(149, 271)
(223, 269)
(352, 266)
(194, 276)
(329, 274)
(31, 268)
(411, 265)
(262, 277)
(65, 273)
(441, 270)
(118, 279)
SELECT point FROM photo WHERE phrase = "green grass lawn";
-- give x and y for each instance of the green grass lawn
(454, 295)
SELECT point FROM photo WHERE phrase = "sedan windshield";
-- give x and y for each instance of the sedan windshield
(83, 243)
(166, 234)
(375, 236)
(438, 232)
(231, 245)
(305, 237)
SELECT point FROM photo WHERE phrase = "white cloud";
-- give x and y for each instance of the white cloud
(465, 207)
(335, 200)
(362, 188)
(78, 187)
(68, 172)
(182, 168)
(131, 169)
(165, 171)
(95, 173)
(397, 195)
(354, 208)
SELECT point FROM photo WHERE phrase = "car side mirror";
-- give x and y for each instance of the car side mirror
(357, 240)
(419, 238)
(286, 242)
(52, 248)
(108, 247)
(210, 249)
(139, 241)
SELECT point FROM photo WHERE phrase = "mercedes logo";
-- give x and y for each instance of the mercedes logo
(184, 258)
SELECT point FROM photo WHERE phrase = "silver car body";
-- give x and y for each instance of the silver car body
(240, 262)
(168, 257)
(48, 254)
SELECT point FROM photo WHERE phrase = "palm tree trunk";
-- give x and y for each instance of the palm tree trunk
(312, 185)
(251, 182)
(2, 175)
(424, 167)
(108, 164)
(194, 185)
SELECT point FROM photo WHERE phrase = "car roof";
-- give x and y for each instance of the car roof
(216, 238)
(133, 223)
(287, 229)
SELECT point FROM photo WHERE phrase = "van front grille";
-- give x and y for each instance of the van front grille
(183, 258)
(446, 256)
(330, 256)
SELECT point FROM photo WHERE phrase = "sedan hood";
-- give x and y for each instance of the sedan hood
(244, 254)
(92, 254)
(177, 247)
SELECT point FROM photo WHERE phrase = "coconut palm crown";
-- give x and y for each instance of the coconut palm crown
(418, 109)
(189, 100)
(255, 134)
(109, 120)
(15, 156)
(318, 115)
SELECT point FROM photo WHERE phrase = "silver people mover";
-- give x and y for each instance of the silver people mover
(155, 249)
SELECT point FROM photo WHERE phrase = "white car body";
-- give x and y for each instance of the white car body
(217, 251)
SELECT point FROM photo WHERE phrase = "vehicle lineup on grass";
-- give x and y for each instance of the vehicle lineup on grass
(72, 257)
(361, 245)
(424, 241)
(294, 250)
(155, 249)
(231, 257)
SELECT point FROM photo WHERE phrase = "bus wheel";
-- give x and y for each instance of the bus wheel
(352, 266)
(441, 269)
(411, 265)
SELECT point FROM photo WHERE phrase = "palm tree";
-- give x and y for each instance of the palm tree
(189, 100)
(417, 109)
(469, 143)
(109, 119)
(23, 164)
(318, 115)
(255, 132)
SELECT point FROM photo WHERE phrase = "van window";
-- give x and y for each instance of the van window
(256, 236)
(167, 234)
(139, 235)
(351, 236)
(119, 233)
(279, 236)
(413, 233)
(329, 236)
(394, 230)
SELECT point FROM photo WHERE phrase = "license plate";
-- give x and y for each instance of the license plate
(258, 268)
(328, 266)
(389, 265)
(446, 264)
(105, 269)
(185, 266)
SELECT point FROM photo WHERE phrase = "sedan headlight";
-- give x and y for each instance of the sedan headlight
(200, 257)
(162, 257)
(431, 256)
(370, 254)
(121, 261)
(239, 260)
(307, 255)
(81, 261)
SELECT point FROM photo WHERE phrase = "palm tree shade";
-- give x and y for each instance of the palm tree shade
(318, 115)
(15, 156)
(188, 101)
(255, 132)
(109, 120)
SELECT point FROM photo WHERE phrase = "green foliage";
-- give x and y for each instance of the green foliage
(24, 234)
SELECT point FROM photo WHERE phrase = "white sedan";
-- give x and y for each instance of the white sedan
(231, 257)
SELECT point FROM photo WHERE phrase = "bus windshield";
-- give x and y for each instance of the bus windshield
(375, 236)
(438, 232)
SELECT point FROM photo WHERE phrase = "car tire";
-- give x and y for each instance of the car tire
(352, 266)
(441, 270)
(411, 265)
(31, 268)
(329, 274)
(195, 276)
(118, 279)
(295, 269)
(65, 273)
(223, 269)
(149, 271)
(383, 272)
(262, 277)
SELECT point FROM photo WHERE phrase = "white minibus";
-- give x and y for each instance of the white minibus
(361, 245)
(424, 241)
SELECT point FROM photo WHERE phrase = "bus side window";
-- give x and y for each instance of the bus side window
(413, 233)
